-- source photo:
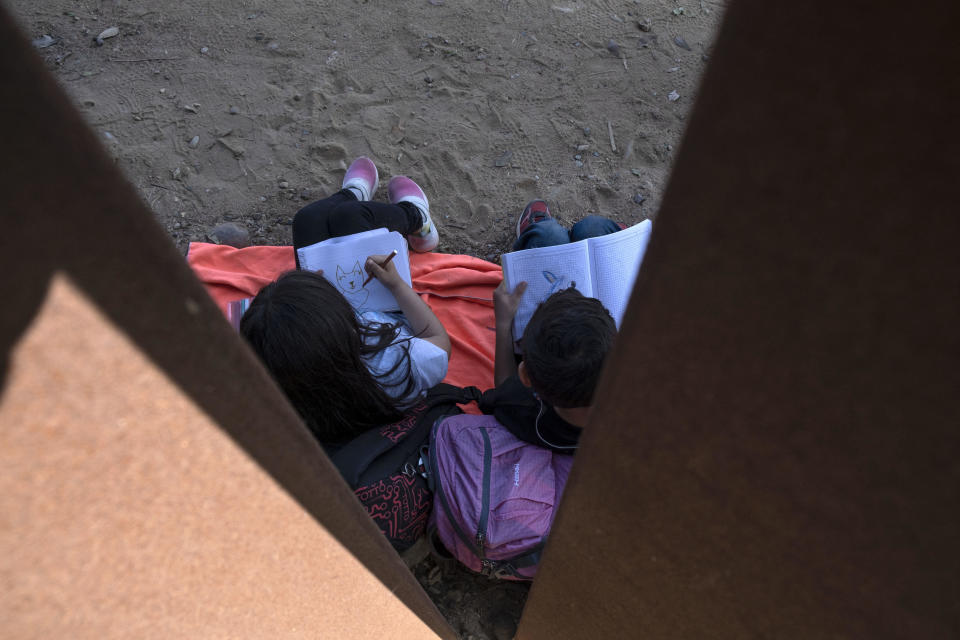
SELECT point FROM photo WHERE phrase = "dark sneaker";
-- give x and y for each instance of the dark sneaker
(535, 211)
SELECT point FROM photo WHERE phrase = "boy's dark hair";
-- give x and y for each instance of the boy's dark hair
(564, 347)
(309, 338)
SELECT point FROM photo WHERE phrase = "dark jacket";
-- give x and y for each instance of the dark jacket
(527, 417)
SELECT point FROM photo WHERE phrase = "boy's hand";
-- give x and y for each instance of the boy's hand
(505, 303)
(388, 276)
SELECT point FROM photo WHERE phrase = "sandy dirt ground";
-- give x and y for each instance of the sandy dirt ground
(219, 110)
(245, 110)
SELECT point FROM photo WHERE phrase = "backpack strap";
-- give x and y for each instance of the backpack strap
(449, 393)
(372, 456)
(509, 567)
(356, 456)
(530, 558)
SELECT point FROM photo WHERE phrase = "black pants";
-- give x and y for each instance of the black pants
(342, 214)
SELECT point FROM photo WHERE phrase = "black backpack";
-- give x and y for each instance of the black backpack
(383, 466)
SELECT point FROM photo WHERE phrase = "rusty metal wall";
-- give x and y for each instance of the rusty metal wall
(775, 450)
(155, 482)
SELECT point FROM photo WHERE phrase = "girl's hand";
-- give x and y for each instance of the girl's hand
(424, 324)
(388, 276)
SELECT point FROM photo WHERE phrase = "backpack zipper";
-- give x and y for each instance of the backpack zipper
(485, 489)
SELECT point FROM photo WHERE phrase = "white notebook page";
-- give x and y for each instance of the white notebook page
(342, 260)
(614, 263)
(546, 270)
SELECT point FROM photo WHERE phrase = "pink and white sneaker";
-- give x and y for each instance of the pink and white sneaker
(362, 178)
(403, 189)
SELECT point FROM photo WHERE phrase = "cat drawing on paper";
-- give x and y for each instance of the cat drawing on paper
(350, 284)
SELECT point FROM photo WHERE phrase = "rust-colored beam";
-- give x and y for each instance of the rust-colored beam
(775, 450)
(122, 521)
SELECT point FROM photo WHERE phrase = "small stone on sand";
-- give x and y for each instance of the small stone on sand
(44, 41)
(230, 233)
(109, 32)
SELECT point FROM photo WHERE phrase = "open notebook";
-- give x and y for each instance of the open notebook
(604, 268)
(342, 260)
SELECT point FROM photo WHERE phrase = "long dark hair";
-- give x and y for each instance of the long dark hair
(309, 338)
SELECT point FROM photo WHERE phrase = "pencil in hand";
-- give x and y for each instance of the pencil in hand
(393, 254)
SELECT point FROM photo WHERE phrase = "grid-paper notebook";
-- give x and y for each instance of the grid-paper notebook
(604, 268)
(342, 260)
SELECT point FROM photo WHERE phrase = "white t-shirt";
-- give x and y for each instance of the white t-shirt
(428, 362)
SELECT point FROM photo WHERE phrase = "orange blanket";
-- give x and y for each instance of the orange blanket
(458, 288)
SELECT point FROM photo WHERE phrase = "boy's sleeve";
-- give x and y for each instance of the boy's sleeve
(517, 408)
(510, 393)
(514, 406)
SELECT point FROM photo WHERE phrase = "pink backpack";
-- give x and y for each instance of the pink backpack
(494, 495)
